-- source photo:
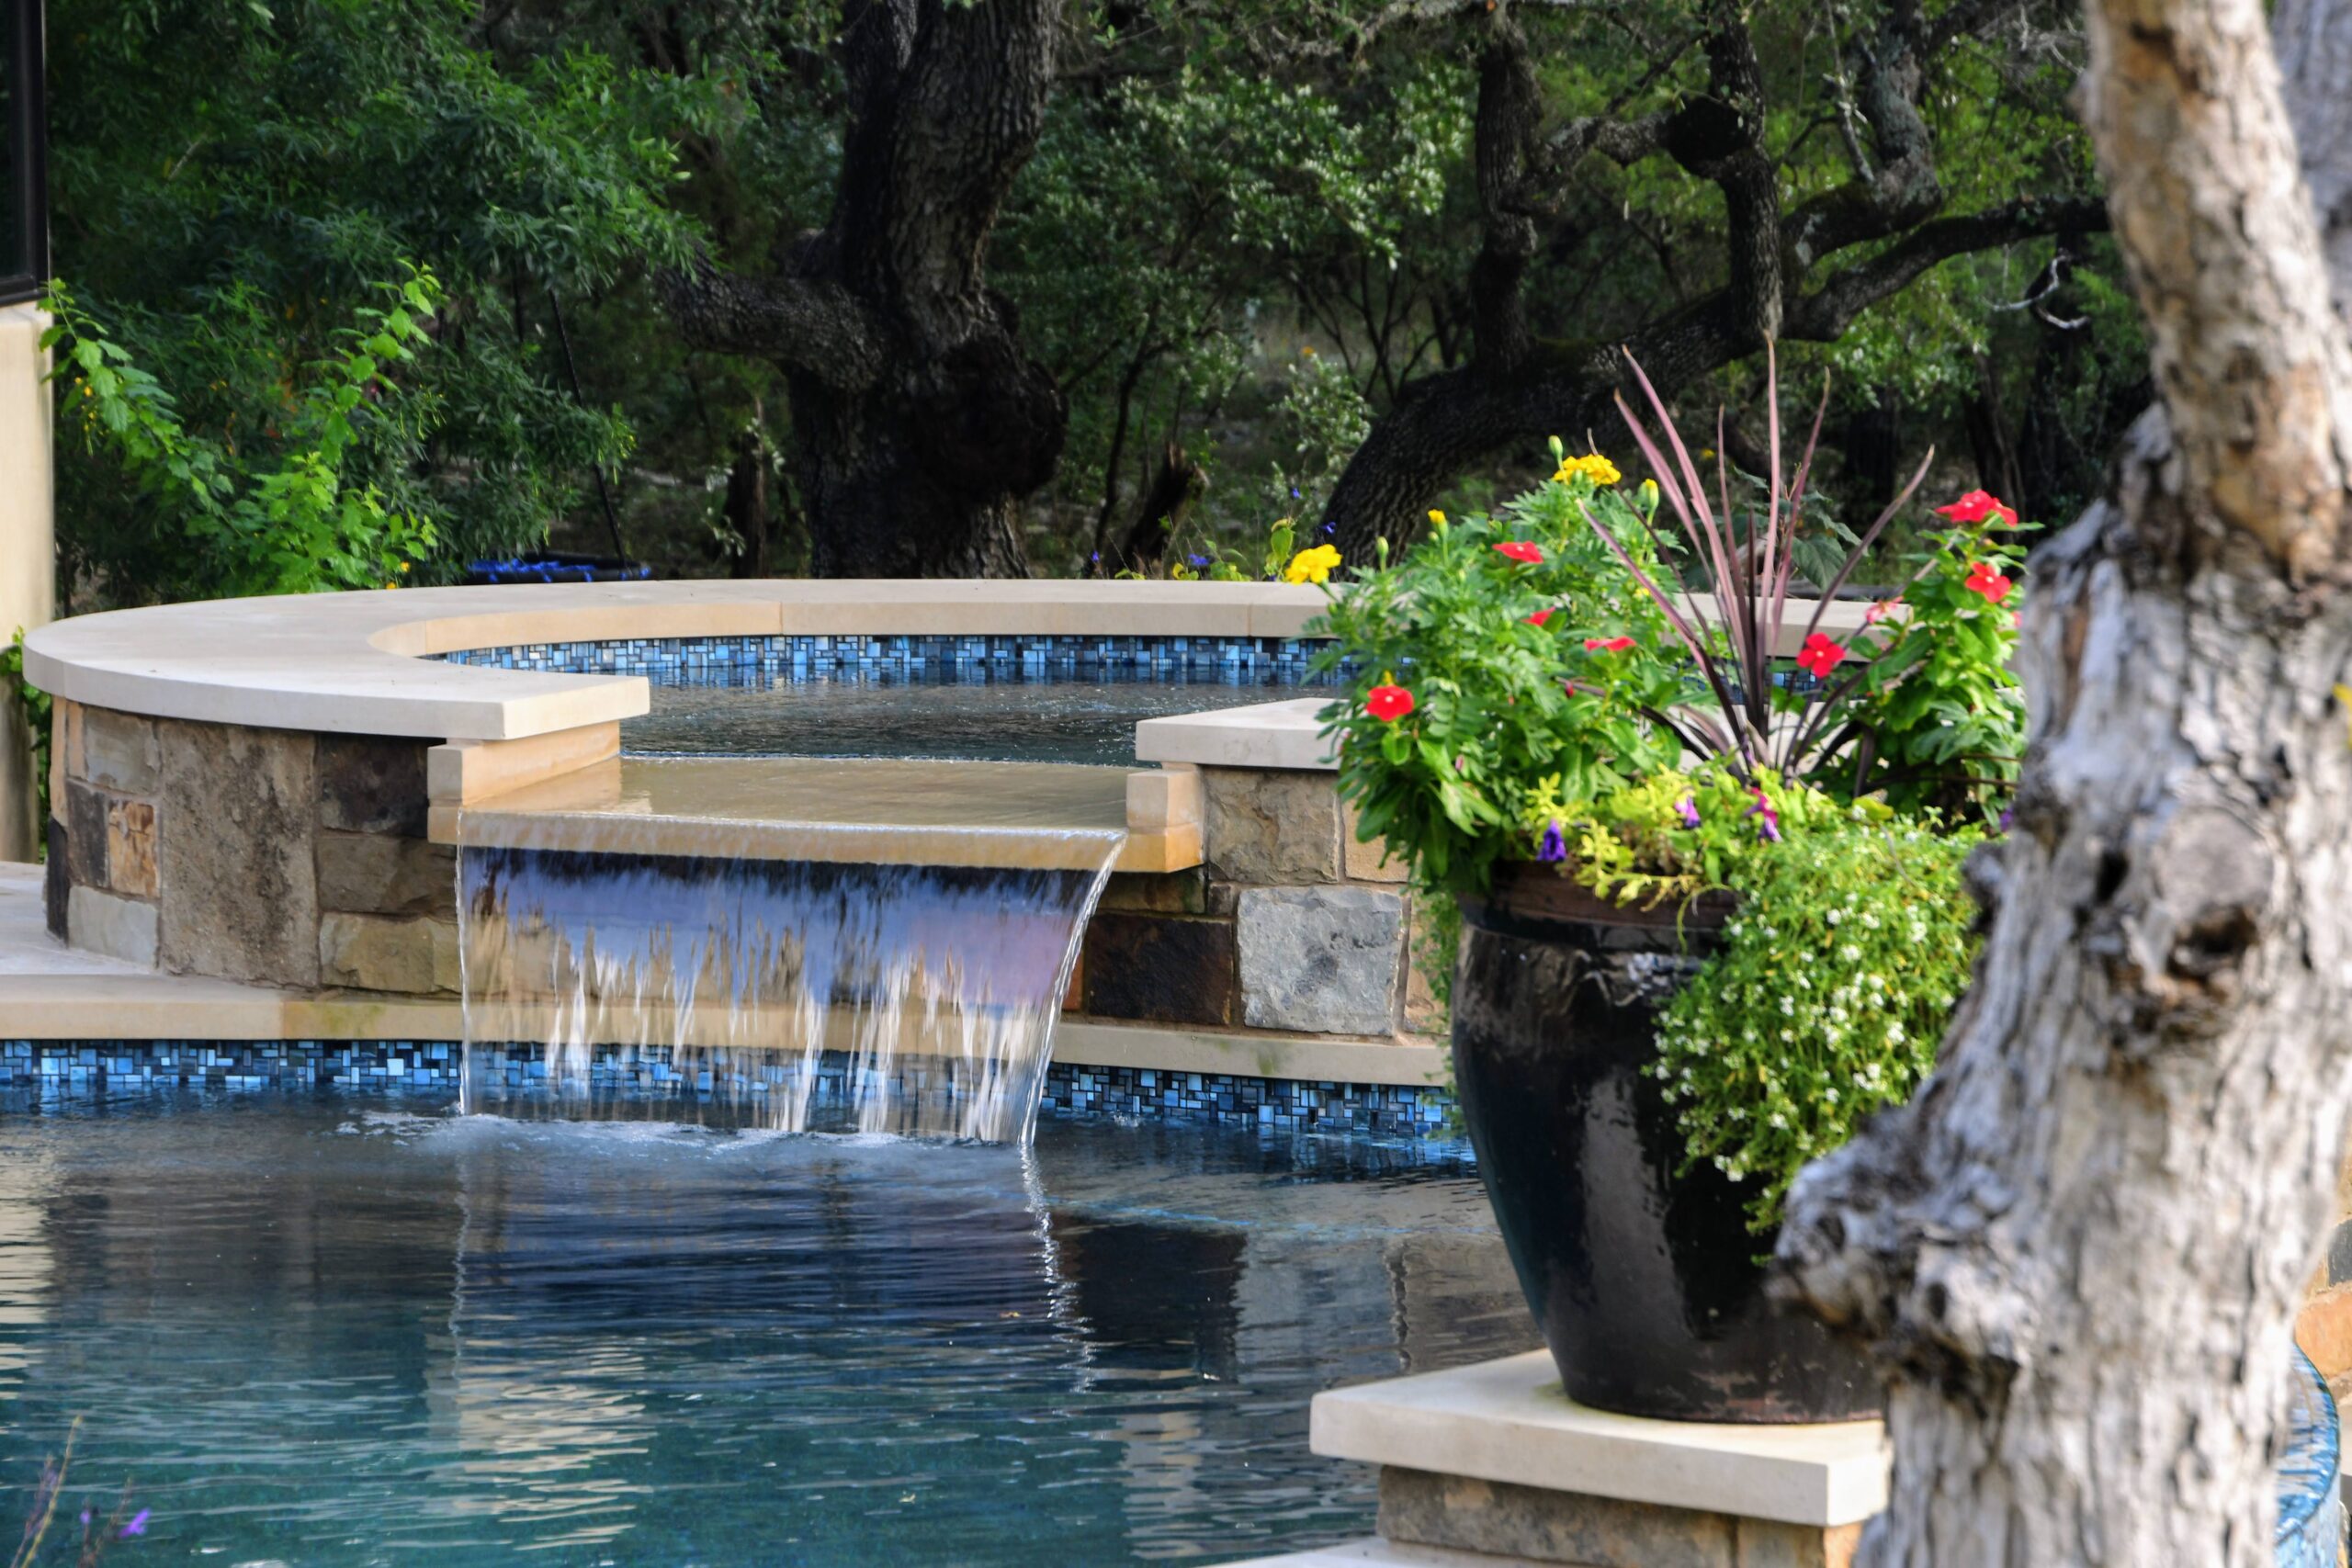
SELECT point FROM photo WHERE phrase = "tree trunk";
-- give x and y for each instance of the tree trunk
(2078, 1251)
(919, 419)
(747, 502)
(1518, 388)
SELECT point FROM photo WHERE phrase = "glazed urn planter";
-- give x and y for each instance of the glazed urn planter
(1646, 1279)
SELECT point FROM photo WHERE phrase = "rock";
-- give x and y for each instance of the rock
(1367, 862)
(233, 853)
(377, 953)
(120, 928)
(375, 873)
(372, 784)
(1324, 960)
(118, 751)
(1424, 1014)
(1156, 893)
(1165, 969)
(130, 848)
(84, 811)
(1271, 828)
(1529, 1524)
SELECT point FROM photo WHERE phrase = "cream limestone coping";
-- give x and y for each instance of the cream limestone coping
(360, 663)
(1027, 816)
(1508, 1421)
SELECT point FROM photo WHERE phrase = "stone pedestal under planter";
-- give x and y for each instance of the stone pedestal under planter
(1491, 1466)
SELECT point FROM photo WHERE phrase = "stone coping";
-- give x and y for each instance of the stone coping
(870, 811)
(362, 663)
(1262, 735)
(1508, 1421)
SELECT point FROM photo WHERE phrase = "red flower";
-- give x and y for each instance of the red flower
(1982, 578)
(1976, 506)
(1388, 703)
(1537, 619)
(1819, 656)
(1521, 551)
(1879, 611)
(1611, 645)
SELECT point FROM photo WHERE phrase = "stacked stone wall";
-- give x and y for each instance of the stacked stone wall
(277, 857)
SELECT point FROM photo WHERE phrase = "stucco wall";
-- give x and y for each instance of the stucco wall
(27, 552)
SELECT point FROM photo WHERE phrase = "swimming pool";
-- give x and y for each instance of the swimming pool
(958, 714)
(343, 1331)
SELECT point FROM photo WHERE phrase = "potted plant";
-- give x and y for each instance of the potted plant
(1706, 857)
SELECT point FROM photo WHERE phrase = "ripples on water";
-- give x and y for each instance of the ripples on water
(997, 718)
(311, 1333)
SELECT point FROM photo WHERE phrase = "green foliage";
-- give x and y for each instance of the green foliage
(274, 514)
(1938, 699)
(240, 179)
(1851, 939)
(33, 707)
(1826, 1001)
(1507, 712)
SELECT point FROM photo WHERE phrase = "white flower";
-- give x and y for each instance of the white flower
(1835, 916)
(1853, 954)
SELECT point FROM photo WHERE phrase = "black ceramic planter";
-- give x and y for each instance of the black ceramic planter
(1646, 1282)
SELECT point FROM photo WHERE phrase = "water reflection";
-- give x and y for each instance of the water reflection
(321, 1336)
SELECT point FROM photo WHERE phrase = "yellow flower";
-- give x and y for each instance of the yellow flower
(1437, 517)
(1592, 465)
(405, 566)
(1648, 496)
(1311, 566)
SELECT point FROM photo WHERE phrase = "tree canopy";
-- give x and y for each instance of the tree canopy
(1028, 285)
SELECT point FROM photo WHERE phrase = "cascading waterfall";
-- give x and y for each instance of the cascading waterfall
(799, 996)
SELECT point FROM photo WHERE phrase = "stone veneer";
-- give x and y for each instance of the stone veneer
(298, 860)
(275, 857)
(1288, 925)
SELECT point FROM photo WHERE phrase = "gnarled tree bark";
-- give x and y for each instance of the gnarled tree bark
(1786, 274)
(2078, 1250)
(919, 419)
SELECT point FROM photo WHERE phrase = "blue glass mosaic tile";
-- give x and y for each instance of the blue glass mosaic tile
(68, 1069)
(760, 661)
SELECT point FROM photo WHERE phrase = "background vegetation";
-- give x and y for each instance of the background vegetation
(1242, 237)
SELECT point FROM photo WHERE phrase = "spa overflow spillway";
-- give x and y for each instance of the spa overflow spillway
(800, 945)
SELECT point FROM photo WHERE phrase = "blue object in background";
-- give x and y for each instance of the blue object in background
(548, 566)
(2310, 1502)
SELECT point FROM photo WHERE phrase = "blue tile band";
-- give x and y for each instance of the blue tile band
(65, 1069)
(759, 661)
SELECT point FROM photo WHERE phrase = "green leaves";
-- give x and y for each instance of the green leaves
(1506, 710)
(278, 516)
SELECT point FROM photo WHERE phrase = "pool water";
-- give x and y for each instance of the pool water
(997, 720)
(304, 1331)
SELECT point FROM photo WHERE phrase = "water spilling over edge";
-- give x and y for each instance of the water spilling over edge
(788, 995)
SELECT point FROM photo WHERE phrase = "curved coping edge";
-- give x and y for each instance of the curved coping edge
(363, 663)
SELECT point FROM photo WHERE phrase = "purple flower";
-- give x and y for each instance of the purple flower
(138, 1525)
(1768, 830)
(1330, 528)
(2008, 818)
(1554, 847)
(1688, 810)
(1196, 562)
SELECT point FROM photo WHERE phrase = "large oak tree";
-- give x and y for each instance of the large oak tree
(1795, 265)
(919, 418)
(2078, 1252)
